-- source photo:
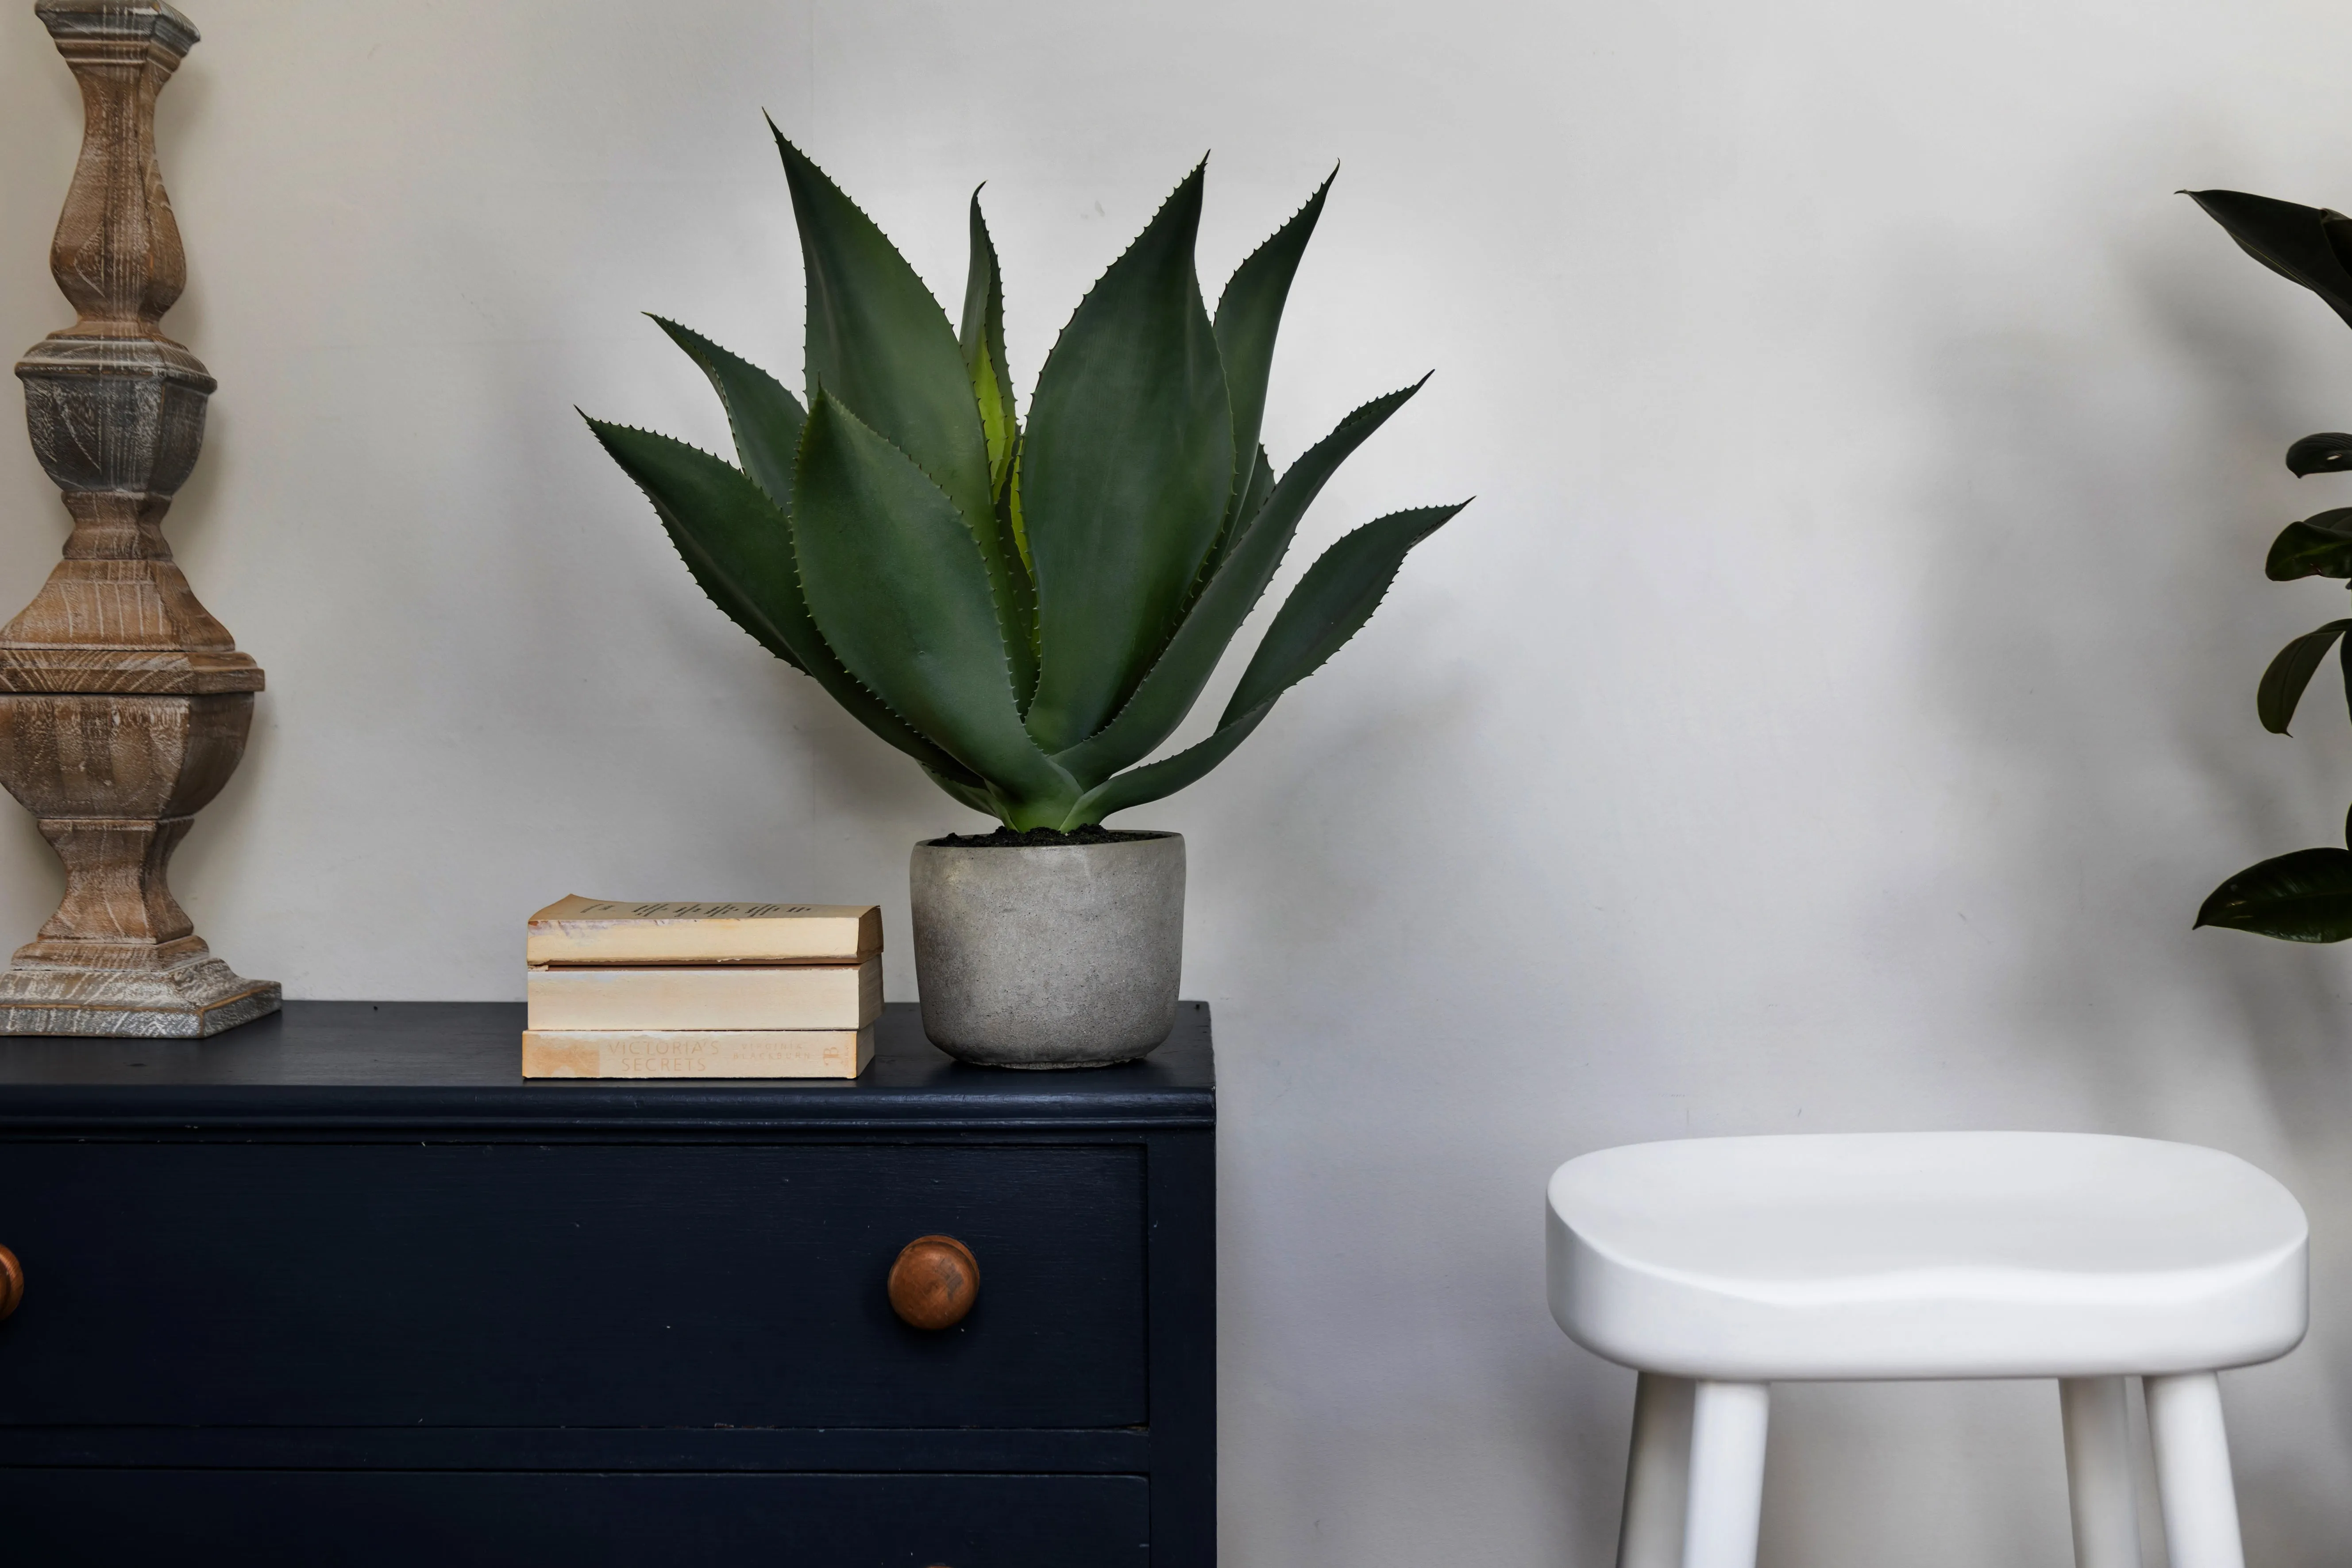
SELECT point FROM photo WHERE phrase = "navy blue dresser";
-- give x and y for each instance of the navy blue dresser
(341, 1287)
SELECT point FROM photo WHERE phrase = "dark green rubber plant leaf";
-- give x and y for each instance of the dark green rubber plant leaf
(1175, 679)
(897, 586)
(2282, 683)
(763, 414)
(982, 340)
(2302, 897)
(981, 337)
(2310, 246)
(1126, 465)
(2329, 452)
(1330, 605)
(738, 548)
(2318, 546)
(1249, 313)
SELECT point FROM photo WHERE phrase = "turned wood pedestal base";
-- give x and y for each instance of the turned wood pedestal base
(123, 704)
(202, 996)
(115, 780)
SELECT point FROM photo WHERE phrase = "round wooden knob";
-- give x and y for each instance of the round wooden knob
(12, 1282)
(934, 1282)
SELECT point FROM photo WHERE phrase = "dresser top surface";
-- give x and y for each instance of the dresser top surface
(459, 1063)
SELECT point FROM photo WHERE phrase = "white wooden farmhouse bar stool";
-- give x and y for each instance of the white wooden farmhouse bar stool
(1717, 1267)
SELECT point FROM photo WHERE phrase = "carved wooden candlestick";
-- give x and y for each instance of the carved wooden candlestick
(123, 705)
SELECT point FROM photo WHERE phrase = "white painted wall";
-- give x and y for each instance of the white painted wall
(1829, 716)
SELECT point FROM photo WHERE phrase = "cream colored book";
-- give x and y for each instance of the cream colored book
(696, 1053)
(609, 930)
(731, 996)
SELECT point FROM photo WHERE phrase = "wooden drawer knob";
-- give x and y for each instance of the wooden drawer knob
(934, 1282)
(12, 1282)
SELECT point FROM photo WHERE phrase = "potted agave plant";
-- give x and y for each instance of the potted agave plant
(1027, 608)
(2305, 895)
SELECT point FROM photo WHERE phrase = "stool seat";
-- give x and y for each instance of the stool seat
(1924, 1255)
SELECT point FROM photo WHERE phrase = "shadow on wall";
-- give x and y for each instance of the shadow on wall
(2100, 620)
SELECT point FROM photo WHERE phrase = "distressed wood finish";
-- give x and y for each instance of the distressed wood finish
(123, 704)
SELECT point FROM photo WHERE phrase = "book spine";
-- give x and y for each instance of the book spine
(697, 1053)
(705, 942)
(834, 996)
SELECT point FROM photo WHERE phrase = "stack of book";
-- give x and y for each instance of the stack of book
(637, 990)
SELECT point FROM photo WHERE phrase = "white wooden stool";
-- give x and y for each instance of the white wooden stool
(1717, 1267)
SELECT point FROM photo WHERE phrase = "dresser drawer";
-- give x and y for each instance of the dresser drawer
(264, 1519)
(607, 1285)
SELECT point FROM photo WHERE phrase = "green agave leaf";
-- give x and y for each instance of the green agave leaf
(2282, 685)
(880, 344)
(1261, 485)
(2318, 546)
(738, 548)
(2302, 897)
(2309, 246)
(1125, 469)
(975, 795)
(898, 590)
(983, 340)
(1238, 517)
(1012, 511)
(1331, 603)
(713, 527)
(1175, 679)
(1249, 313)
(2329, 452)
(1008, 576)
(1001, 547)
(1244, 512)
(1155, 781)
(764, 416)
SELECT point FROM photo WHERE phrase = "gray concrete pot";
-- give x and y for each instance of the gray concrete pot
(1061, 956)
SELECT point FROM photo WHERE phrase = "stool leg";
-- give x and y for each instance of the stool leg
(2192, 1471)
(1726, 1474)
(2099, 1473)
(1650, 1531)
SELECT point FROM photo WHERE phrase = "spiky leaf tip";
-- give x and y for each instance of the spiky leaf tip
(761, 412)
(878, 340)
(1125, 469)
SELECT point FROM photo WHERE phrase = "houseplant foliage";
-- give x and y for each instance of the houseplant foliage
(2305, 896)
(1028, 609)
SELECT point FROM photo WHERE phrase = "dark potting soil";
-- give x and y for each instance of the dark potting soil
(1035, 838)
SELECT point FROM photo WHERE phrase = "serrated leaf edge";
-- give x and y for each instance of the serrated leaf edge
(847, 673)
(1405, 395)
(799, 576)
